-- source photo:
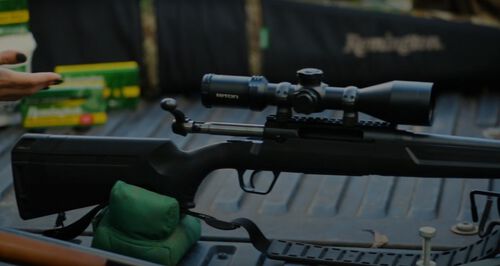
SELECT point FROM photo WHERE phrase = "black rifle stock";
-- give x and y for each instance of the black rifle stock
(58, 173)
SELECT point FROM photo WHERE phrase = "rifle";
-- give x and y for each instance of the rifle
(53, 174)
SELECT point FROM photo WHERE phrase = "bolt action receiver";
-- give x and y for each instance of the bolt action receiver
(396, 102)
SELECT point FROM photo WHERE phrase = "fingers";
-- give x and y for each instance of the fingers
(37, 81)
(15, 85)
(11, 57)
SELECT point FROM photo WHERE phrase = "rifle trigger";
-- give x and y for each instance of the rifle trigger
(249, 185)
(244, 185)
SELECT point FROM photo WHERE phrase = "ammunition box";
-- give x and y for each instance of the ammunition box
(26, 44)
(122, 89)
(14, 17)
(76, 102)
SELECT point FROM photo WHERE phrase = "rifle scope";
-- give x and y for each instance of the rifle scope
(397, 102)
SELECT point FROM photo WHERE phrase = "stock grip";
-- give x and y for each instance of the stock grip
(59, 173)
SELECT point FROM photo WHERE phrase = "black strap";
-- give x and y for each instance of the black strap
(259, 241)
(308, 253)
(75, 229)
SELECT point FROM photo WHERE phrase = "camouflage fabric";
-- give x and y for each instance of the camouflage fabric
(477, 11)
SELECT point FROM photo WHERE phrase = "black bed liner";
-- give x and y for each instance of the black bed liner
(337, 210)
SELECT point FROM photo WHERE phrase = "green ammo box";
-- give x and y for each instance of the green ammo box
(14, 17)
(122, 81)
(76, 102)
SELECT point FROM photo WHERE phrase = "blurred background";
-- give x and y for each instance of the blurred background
(119, 57)
(355, 42)
(171, 44)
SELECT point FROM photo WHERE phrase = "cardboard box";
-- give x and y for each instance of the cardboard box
(9, 114)
(76, 102)
(14, 17)
(14, 34)
(25, 43)
(122, 81)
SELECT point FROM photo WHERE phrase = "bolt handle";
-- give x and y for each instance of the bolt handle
(170, 105)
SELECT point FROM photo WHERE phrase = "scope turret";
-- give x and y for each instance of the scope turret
(397, 102)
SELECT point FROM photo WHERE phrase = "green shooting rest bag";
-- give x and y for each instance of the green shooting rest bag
(145, 225)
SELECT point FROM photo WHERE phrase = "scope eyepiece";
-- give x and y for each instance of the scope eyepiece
(397, 102)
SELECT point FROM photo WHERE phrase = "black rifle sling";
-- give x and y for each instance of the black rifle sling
(76, 228)
(308, 253)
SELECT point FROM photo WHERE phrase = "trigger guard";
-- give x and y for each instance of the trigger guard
(249, 187)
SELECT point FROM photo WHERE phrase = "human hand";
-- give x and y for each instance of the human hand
(16, 85)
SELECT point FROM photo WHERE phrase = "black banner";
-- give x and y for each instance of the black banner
(79, 32)
(199, 37)
(359, 47)
(352, 46)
